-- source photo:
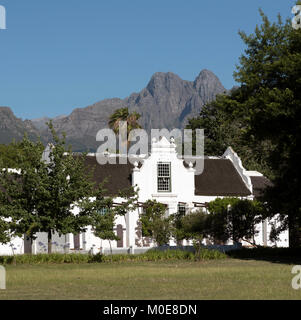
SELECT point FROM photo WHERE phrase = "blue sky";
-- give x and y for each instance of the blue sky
(59, 55)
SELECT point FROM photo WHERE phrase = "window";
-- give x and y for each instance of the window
(103, 211)
(164, 175)
(181, 209)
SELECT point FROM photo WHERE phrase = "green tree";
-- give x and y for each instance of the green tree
(20, 189)
(234, 219)
(154, 222)
(223, 129)
(67, 184)
(177, 227)
(123, 115)
(194, 226)
(42, 195)
(263, 113)
(102, 210)
(5, 235)
(11, 154)
(103, 218)
(270, 100)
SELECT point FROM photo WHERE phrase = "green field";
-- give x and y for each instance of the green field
(214, 279)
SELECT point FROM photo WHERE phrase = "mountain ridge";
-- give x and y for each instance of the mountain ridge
(13, 128)
(167, 101)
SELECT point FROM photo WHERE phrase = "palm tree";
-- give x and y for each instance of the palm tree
(123, 115)
(116, 117)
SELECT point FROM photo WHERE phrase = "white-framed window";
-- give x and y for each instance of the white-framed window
(164, 176)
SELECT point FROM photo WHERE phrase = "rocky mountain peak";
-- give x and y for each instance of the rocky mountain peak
(161, 81)
(207, 84)
(166, 102)
(206, 77)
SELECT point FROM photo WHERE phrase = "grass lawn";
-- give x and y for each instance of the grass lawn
(215, 279)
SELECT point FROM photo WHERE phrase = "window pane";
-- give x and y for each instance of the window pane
(163, 169)
(164, 184)
(181, 209)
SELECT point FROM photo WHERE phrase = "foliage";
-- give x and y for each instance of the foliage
(292, 255)
(5, 225)
(130, 122)
(47, 258)
(21, 189)
(124, 115)
(5, 235)
(155, 224)
(270, 99)
(223, 129)
(235, 219)
(194, 227)
(219, 130)
(227, 219)
(261, 118)
(103, 211)
(42, 195)
(177, 226)
(65, 185)
(10, 154)
(73, 258)
(157, 254)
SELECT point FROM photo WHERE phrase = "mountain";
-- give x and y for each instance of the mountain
(13, 128)
(40, 123)
(166, 102)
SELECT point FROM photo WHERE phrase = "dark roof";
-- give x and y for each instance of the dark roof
(220, 178)
(118, 176)
(259, 184)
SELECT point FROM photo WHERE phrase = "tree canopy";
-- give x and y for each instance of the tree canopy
(41, 196)
(155, 223)
(261, 118)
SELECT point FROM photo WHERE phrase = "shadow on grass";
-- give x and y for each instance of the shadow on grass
(275, 255)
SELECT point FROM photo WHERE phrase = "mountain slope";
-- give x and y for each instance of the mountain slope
(166, 102)
(12, 128)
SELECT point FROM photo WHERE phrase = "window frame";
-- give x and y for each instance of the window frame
(162, 176)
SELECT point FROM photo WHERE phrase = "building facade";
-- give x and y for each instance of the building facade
(163, 176)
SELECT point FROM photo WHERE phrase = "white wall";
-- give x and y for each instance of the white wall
(16, 245)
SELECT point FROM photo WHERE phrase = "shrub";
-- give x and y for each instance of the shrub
(264, 253)
(150, 255)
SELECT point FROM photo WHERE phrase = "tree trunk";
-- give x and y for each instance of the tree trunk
(253, 243)
(111, 250)
(14, 256)
(49, 242)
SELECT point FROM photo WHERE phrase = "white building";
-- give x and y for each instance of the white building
(165, 177)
